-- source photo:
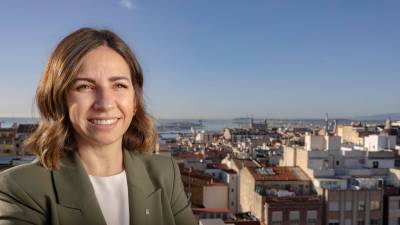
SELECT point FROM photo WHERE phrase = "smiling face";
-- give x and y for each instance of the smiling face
(101, 99)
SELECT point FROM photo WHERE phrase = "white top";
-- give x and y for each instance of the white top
(112, 196)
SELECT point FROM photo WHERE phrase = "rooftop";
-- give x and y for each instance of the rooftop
(221, 167)
(279, 173)
(26, 128)
(295, 199)
(240, 163)
(199, 175)
(212, 210)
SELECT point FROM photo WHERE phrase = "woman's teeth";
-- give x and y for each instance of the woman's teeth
(104, 122)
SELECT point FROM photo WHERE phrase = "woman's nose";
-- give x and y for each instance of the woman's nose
(104, 100)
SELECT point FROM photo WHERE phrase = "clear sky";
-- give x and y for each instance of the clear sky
(223, 58)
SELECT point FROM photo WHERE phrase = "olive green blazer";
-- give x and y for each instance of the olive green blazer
(30, 194)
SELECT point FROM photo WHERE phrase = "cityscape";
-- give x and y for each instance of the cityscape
(261, 171)
(277, 112)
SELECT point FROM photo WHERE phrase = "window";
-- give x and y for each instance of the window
(375, 164)
(232, 203)
(312, 216)
(374, 222)
(361, 205)
(232, 190)
(333, 206)
(349, 206)
(375, 205)
(398, 220)
(301, 188)
(276, 216)
(360, 222)
(333, 222)
(294, 215)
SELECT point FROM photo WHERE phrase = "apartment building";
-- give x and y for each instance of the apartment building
(391, 206)
(230, 178)
(355, 133)
(267, 189)
(300, 210)
(350, 178)
(7, 138)
(22, 133)
(205, 190)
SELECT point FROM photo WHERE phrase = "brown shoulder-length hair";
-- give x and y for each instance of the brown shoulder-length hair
(54, 135)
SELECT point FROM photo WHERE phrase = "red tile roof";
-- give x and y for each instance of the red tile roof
(212, 210)
(282, 173)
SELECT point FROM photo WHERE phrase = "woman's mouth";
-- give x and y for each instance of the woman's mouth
(104, 123)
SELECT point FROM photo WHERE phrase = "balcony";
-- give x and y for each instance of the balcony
(324, 173)
(317, 154)
(312, 221)
(294, 222)
(367, 172)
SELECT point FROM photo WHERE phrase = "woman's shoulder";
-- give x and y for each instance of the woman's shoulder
(159, 161)
(21, 194)
(24, 171)
(30, 178)
(161, 168)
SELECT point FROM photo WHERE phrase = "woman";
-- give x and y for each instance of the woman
(92, 143)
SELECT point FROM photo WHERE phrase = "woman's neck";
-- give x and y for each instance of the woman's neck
(101, 161)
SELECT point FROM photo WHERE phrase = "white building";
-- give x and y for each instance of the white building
(379, 142)
(215, 196)
(313, 142)
(203, 138)
(349, 177)
(324, 156)
(231, 178)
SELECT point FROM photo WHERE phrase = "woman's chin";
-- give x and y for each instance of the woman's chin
(103, 140)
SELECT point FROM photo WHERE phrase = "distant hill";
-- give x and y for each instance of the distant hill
(392, 116)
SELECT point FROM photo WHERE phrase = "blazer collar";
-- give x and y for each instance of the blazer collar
(74, 189)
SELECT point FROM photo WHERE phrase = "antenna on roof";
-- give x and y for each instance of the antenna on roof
(326, 124)
(388, 124)
(335, 126)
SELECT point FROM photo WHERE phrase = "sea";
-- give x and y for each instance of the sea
(199, 125)
(212, 125)
(8, 121)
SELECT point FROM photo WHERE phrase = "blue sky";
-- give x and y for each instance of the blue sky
(223, 58)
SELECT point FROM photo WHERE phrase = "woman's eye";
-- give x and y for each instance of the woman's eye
(121, 86)
(83, 87)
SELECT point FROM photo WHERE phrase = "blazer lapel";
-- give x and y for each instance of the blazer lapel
(74, 190)
(144, 197)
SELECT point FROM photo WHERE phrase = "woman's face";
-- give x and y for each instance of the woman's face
(101, 98)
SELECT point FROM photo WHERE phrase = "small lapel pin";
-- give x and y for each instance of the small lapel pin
(147, 211)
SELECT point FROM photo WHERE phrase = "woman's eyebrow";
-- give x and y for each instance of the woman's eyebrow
(118, 78)
(84, 79)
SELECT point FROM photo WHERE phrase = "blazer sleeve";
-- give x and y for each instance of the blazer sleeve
(16, 206)
(180, 205)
